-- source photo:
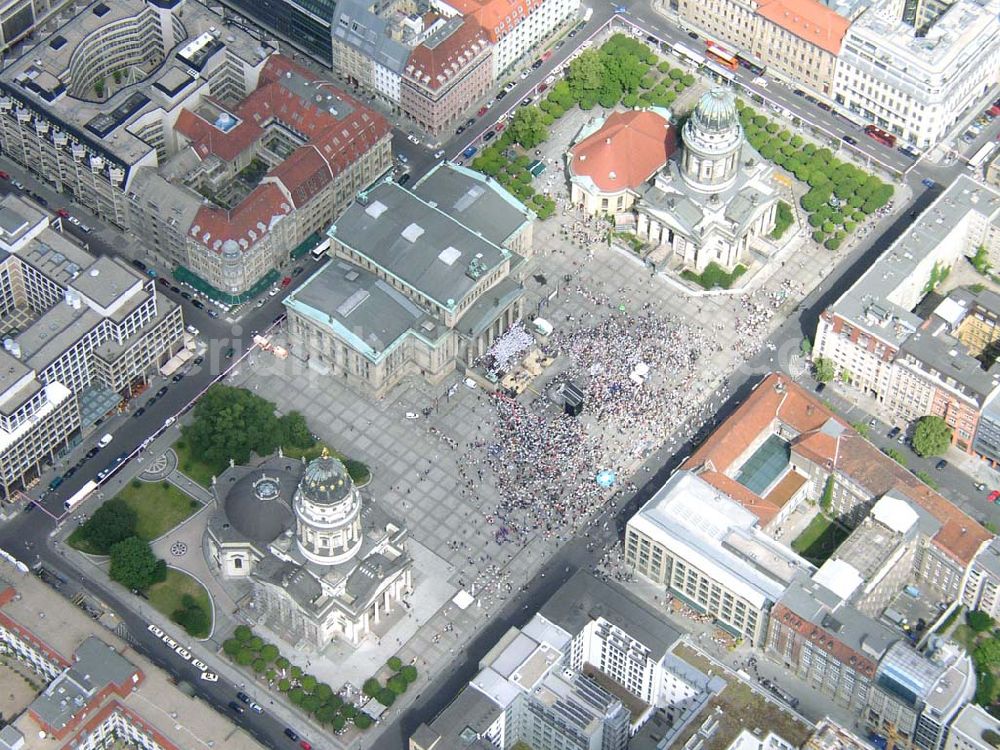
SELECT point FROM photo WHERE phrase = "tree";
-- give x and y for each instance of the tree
(585, 76)
(371, 687)
(295, 695)
(409, 673)
(826, 502)
(338, 723)
(269, 652)
(362, 720)
(231, 647)
(245, 657)
(242, 633)
(932, 436)
(325, 713)
(978, 620)
(281, 663)
(324, 692)
(284, 685)
(194, 619)
(259, 666)
(981, 260)
(231, 423)
(394, 663)
(896, 456)
(386, 697)
(309, 683)
(256, 643)
(396, 684)
(110, 524)
(133, 564)
(824, 369)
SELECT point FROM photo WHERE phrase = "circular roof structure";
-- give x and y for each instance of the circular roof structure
(716, 111)
(259, 506)
(325, 481)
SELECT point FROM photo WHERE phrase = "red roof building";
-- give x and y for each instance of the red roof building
(342, 147)
(609, 164)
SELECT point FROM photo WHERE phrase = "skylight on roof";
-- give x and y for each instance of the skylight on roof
(449, 255)
(375, 209)
(412, 232)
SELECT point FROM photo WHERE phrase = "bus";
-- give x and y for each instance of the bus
(719, 73)
(80, 495)
(981, 156)
(319, 251)
(722, 55)
(886, 139)
(687, 54)
(754, 64)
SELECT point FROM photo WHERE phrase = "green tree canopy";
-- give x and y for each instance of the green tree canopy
(110, 524)
(978, 620)
(824, 369)
(371, 687)
(585, 76)
(527, 127)
(134, 565)
(932, 436)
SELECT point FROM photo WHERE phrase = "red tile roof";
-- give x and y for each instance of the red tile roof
(778, 399)
(433, 67)
(625, 151)
(809, 20)
(334, 143)
(497, 17)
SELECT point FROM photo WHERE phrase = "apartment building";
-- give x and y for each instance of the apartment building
(914, 365)
(702, 546)
(515, 28)
(799, 39)
(526, 692)
(80, 333)
(97, 99)
(416, 286)
(916, 695)
(919, 82)
(969, 729)
(98, 690)
(251, 182)
(981, 588)
(303, 24)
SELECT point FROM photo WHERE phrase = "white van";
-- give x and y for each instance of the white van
(103, 442)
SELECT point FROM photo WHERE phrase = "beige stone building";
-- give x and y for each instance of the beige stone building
(415, 286)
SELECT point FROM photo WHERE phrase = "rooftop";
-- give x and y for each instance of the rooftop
(622, 151)
(823, 438)
(717, 534)
(584, 598)
(497, 17)
(449, 47)
(156, 704)
(809, 20)
(882, 300)
(42, 75)
(477, 201)
(429, 251)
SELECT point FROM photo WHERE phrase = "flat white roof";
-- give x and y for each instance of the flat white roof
(895, 513)
(840, 577)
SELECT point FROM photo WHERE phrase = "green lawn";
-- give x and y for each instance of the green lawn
(167, 596)
(159, 506)
(714, 275)
(819, 540)
(195, 468)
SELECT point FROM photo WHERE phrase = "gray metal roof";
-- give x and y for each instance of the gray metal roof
(476, 200)
(584, 598)
(360, 307)
(357, 26)
(461, 723)
(421, 245)
(824, 609)
(106, 280)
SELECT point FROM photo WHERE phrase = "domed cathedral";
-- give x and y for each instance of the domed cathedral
(315, 559)
(716, 203)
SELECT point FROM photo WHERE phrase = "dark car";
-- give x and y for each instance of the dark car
(140, 411)
(69, 472)
(163, 281)
(175, 290)
(941, 465)
(799, 92)
(692, 35)
(186, 295)
(821, 387)
(470, 122)
(93, 452)
(161, 392)
(297, 270)
(536, 64)
(488, 135)
(79, 464)
(139, 264)
(460, 129)
(811, 99)
(178, 377)
(404, 179)
(824, 106)
(243, 697)
(149, 404)
(198, 303)
(230, 352)
(54, 484)
(893, 433)
(236, 707)
(501, 94)
(291, 734)
(198, 360)
(849, 139)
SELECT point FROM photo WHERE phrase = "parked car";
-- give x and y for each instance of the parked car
(941, 465)
(286, 281)
(893, 433)
(236, 707)
(178, 377)
(928, 183)
(4, 175)
(482, 111)
(849, 139)
(55, 483)
(198, 304)
(404, 179)
(993, 497)
(103, 442)
(229, 353)
(139, 264)
(62, 213)
(162, 392)
(139, 412)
